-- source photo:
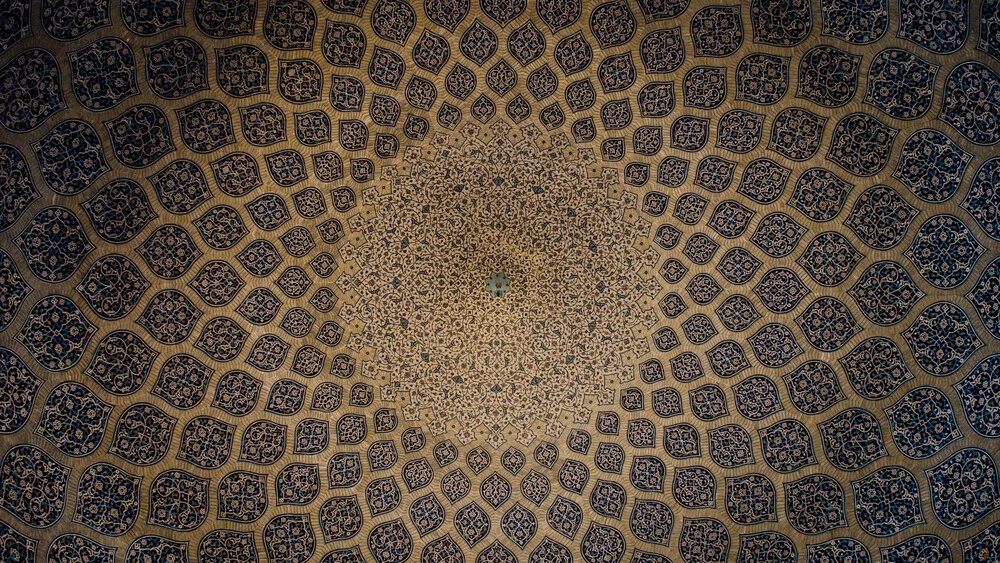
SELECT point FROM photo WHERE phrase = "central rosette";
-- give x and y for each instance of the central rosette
(568, 322)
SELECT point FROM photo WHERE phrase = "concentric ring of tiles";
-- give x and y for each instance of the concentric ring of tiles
(753, 254)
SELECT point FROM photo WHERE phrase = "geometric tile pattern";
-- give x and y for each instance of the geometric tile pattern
(552, 281)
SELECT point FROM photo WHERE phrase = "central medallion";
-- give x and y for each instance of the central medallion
(498, 284)
(500, 208)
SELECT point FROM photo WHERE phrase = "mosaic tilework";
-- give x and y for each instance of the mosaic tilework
(542, 282)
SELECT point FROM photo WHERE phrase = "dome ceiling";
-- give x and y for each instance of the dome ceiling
(380, 281)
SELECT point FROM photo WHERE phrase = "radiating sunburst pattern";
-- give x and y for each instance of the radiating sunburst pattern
(641, 281)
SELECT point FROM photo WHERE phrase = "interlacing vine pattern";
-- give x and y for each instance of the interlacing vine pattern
(500, 205)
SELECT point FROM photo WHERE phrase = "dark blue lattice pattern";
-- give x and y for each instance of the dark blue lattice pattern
(753, 256)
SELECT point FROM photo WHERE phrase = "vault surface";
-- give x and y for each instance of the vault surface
(499, 281)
